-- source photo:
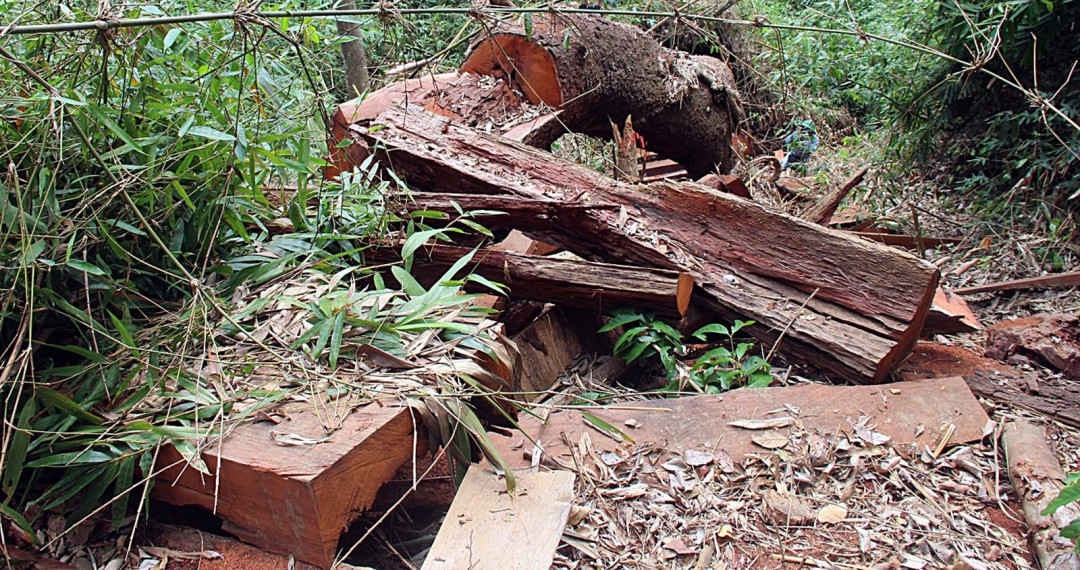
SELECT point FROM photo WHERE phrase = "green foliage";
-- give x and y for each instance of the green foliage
(1069, 494)
(726, 367)
(1007, 149)
(645, 338)
(820, 73)
(152, 177)
(1016, 143)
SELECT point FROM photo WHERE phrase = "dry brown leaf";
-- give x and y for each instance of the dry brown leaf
(784, 508)
(770, 423)
(770, 440)
(832, 514)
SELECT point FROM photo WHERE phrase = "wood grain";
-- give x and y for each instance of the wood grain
(869, 301)
(490, 529)
(295, 499)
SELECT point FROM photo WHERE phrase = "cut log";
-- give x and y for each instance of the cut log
(490, 529)
(1062, 280)
(599, 287)
(1037, 475)
(294, 498)
(595, 70)
(868, 301)
(822, 211)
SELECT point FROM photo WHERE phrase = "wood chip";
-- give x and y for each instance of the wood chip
(832, 514)
(771, 423)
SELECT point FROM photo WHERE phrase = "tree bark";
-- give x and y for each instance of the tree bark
(592, 71)
(506, 212)
(352, 51)
(596, 70)
(582, 284)
(868, 302)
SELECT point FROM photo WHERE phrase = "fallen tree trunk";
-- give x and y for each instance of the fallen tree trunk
(575, 283)
(844, 305)
(593, 71)
(686, 107)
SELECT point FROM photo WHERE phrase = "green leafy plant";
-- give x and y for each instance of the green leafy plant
(645, 338)
(1069, 494)
(726, 367)
(648, 339)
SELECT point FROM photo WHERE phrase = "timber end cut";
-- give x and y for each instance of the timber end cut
(686, 106)
(841, 304)
(293, 487)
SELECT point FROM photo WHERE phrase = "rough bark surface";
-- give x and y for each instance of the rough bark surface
(583, 284)
(352, 51)
(596, 70)
(869, 302)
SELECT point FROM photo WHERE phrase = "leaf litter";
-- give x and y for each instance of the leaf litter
(820, 501)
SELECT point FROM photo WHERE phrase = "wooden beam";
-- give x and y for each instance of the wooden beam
(294, 486)
(869, 301)
(488, 528)
(709, 423)
(1058, 280)
(1038, 477)
(822, 211)
(588, 285)
(514, 212)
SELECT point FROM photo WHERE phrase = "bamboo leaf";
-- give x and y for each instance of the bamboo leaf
(67, 459)
(86, 267)
(210, 133)
(1068, 494)
(55, 399)
(99, 115)
(16, 451)
(606, 427)
(414, 241)
(20, 521)
(409, 284)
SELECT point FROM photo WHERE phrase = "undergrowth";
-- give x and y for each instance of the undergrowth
(645, 339)
(155, 182)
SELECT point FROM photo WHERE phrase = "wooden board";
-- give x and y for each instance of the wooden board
(1050, 395)
(703, 423)
(1057, 280)
(294, 499)
(490, 529)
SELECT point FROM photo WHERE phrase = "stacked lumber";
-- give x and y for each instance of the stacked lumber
(844, 305)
